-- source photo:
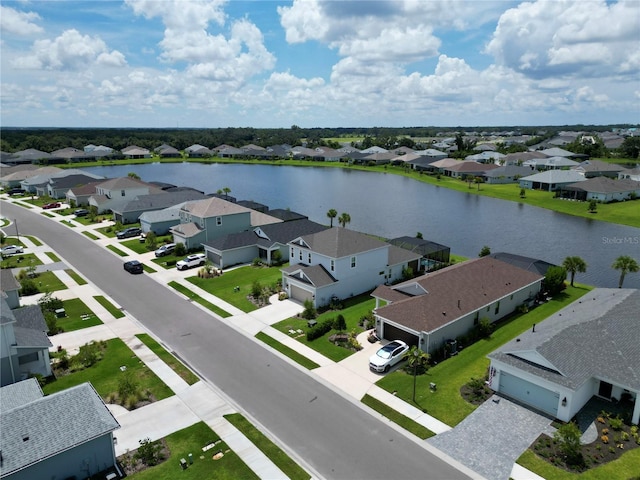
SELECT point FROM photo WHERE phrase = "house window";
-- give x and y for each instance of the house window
(122, 192)
(497, 310)
(28, 358)
(488, 308)
(353, 262)
(300, 256)
(309, 258)
(218, 221)
(333, 265)
(292, 252)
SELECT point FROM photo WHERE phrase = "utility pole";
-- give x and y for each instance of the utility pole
(15, 221)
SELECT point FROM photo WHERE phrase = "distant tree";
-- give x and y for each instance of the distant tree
(573, 265)
(485, 251)
(419, 235)
(478, 181)
(416, 358)
(630, 147)
(344, 219)
(332, 213)
(523, 193)
(554, 279)
(593, 206)
(133, 175)
(226, 191)
(625, 264)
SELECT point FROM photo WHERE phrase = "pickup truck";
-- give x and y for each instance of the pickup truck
(190, 261)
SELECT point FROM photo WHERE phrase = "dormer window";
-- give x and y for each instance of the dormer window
(309, 258)
(353, 262)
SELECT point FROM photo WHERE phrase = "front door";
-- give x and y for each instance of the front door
(605, 390)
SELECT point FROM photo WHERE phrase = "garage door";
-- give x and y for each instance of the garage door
(529, 393)
(391, 332)
(300, 294)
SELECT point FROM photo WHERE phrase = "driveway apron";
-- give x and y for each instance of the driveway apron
(491, 439)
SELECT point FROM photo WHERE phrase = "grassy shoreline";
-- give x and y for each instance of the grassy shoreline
(621, 213)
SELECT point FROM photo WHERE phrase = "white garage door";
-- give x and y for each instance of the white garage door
(529, 393)
(300, 294)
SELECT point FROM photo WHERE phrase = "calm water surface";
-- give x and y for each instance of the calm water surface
(391, 206)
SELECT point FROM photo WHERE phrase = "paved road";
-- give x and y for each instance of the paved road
(334, 436)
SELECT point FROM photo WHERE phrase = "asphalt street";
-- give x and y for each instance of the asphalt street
(336, 437)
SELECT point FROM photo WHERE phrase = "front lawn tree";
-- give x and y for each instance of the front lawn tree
(554, 279)
(625, 264)
(344, 219)
(332, 213)
(416, 358)
(568, 438)
(573, 265)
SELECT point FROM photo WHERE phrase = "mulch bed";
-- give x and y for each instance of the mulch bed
(130, 464)
(475, 396)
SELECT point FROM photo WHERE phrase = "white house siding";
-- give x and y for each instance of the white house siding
(608, 197)
(528, 391)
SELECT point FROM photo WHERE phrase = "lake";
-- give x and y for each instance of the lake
(391, 206)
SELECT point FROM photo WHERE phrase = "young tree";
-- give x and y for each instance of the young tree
(332, 213)
(340, 324)
(344, 219)
(593, 206)
(419, 235)
(133, 175)
(151, 240)
(180, 249)
(568, 438)
(485, 251)
(554, 279)
(573, 265)
(625, 264)
(416, 358)
(226, 191)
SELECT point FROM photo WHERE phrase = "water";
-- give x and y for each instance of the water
(391, 206)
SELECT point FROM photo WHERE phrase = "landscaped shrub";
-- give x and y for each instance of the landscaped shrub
(320, 329)
(568, 438)
(309, 312)
(256, 289)
(340, 323)
(367, 321)
(28, 287)
(149, 453)
(180, 250)
(616, 423)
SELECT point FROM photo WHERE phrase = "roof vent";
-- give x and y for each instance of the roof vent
(444, 313)
(25, 438)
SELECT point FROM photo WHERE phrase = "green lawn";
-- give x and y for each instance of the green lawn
(626, 467)
(405, 422)
(445, 403)
(106, 373)
(78, 316)
(117, 250)
(20, 260)
(148, 269)
(354, 309)
(90, 235)
(52, 256)
(136, 245)
(289, 352)
(204, 467)
(35, 241)
(223, 286)
(68, 223)
(198, 299)
(73, 274)
(168, 261)
(110, 307)
(49, 282)
(175, 364)
(290, 468)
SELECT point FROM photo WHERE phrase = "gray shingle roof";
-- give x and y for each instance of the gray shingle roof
(531, 264)
(158, 201)
(315, 275)
(30, 316)
(19, 393)
(50, 425)
(7, 281)
(338, 242)
(595, 336)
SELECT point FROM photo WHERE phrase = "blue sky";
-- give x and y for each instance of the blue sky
(316, 63)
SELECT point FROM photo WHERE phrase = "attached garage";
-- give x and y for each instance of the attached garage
(529, 393)
(300, 294)
(391, 332)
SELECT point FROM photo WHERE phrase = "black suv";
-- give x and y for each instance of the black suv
(133, 266)
(81, 212)
(128, 233)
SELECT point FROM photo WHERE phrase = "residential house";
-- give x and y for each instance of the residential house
(434, 255)
(161, 221)
(506, 174)
(378, 158)
(487, 156)
(14, 178)
(79, 196)
(258, 207)
(468, 169)
(198, 151)
(167, 151)
(598, 168)
(550, 163)
(445, 305)
(98, 148)
(68, 434)
(602, 189)
(59, 185)
(205, 220)
(559, 152)
(440, 165)
(374, 149)
(116, 192)
(551, 180)
(133, 152)
(260, 242)
(231, 152)
(130, 212)
(630, 173)
(518, 158)
(286, 215)
(30, 155)
(338, 262)
(589, 348)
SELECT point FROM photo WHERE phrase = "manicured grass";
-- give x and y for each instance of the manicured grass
(223, 286)
(73, 274)
(290, 468)
(20, 260)
(68, 223)
(136, 245)
(25, 205)
(105, 374)
(90, 235)
(110, 307)
(47, 214)
(117, 250)
(289, 352)
(35, 241)
(148, 269)
(78, 316)
(445, 403)
(626, 467)
(49, 282)
(354, 309)
(405, 422)
(192, 440)
(198, 299)
(52, 256)
(175, 364)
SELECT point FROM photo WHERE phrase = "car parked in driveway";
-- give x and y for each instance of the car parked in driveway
(11, 250)
(133, 266)
(81, 212)
(190, 261)
(388, 356)
(47, 206)
(165, 249)
(128, 233)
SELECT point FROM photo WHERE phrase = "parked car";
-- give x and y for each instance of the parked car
(190, 261)
(15, 191)
(128, 233)
(133, 266)
(388, 356)
(165, 249)
(11, 250)
(143, 237)
(81, 212)
(47, 206)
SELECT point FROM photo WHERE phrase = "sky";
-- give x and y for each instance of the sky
(317, 63)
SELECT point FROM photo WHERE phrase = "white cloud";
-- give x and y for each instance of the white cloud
(18, 23)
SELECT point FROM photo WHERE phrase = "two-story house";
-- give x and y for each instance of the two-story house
(116, 192)
(341, 263)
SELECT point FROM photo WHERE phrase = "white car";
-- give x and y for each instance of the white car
(11, 249)
(195, 260)
(388, 356)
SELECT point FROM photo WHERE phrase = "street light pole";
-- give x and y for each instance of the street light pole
(15, 221)
(416, 354)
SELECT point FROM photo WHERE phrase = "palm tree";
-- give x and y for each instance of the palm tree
(573, 265)
(416, 358)
(226, 191)
(344, 219)
(625, 264)
(332, 214)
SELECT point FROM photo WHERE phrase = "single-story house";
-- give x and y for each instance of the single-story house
(486, 157)
(30, 155)
(444, 305)
(598, 168)
(167, 151)
(198, 151)
(133, 151)
(59, 185)
(131, 211)
(602, 189)
(551, 180)
(588, 348)
(506, 174)
(630, 173)
(560, 152)
(551, 163)
(341, 263)
(68, 434)
(468, 169)
(15, 177)
(440, 165)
